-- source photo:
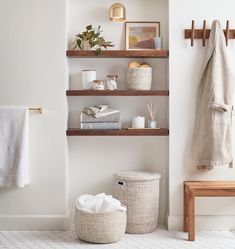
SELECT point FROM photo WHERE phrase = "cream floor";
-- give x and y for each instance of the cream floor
(161, 239)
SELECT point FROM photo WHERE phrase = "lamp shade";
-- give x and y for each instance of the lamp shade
(117, 12)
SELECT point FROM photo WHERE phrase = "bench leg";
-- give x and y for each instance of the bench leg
(191, 217)
(186, 212)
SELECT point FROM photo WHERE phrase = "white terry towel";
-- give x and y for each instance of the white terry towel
(100, 203)
(99, 111)
(14, 146)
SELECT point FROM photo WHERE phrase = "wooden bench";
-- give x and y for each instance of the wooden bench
(202, 189)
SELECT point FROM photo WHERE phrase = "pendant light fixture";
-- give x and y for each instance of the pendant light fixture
(117, 12)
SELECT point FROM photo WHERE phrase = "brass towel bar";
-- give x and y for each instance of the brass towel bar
(35, 109)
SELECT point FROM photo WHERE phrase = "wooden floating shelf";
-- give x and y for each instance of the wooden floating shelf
(122, 132)
(119, 53)
(117, 93)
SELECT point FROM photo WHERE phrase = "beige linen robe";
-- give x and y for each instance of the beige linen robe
(213, 129)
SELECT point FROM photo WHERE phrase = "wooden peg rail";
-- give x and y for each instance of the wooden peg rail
(205, 33)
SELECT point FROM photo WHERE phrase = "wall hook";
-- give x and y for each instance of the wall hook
(192, 33)
(204, 34)
(227, 32)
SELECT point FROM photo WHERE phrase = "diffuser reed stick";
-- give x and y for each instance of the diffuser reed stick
(152, 110)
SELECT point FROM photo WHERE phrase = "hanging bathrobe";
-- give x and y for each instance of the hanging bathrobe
(213, 124)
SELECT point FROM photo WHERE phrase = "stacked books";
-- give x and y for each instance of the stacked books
(100, 119)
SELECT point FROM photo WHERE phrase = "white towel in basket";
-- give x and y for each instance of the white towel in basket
(100, 203)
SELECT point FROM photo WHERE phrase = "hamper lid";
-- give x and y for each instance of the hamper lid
(137, 175)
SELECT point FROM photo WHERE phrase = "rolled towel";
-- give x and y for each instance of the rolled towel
(85, 202)
(111, 204)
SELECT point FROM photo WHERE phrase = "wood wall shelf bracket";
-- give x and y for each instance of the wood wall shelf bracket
(204, 33)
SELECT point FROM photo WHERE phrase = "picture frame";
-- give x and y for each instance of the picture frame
(140, 35)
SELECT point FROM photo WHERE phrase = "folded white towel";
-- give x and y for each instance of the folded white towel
(14, 162)
(100, 111)
(100, 203)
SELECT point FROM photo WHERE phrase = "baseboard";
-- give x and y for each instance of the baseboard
(65, 222)
(204, 222)
(37, 222)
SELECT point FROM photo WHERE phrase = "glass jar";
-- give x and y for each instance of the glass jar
(98, 85)
(152, 124)
(111, 82)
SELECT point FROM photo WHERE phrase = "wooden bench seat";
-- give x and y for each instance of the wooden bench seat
(202, 189)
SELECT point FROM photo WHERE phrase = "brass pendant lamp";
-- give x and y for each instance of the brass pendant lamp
(117, 12)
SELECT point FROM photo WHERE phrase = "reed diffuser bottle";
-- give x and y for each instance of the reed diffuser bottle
(152, 110)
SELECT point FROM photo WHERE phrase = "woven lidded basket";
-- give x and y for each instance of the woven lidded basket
(100, 227)
(139, 78)
(139, 192)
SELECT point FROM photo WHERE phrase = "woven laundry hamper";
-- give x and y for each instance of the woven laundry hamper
(139, 192)
(102, 228)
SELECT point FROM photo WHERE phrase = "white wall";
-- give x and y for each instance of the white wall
(33, 73)
(185, 69)
(93, 160)
(83, 13)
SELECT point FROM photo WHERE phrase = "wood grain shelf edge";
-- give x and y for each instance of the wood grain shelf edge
(117, 93)
(119, 53)
(122, 132)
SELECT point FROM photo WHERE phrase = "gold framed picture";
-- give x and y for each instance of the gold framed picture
(140, 35)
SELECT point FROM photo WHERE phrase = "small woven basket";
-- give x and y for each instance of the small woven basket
(139, 78)
(139, 192)
(102, 228)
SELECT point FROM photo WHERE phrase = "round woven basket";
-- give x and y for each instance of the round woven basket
(100, 228)
(139, 78)
(139, 192)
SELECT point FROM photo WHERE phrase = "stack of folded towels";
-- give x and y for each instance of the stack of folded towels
(101, 117)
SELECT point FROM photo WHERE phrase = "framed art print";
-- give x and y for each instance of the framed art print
(140, 35)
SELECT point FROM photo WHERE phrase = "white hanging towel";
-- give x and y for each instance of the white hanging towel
(14, 147)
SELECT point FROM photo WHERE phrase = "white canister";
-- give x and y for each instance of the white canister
(138, 122)
(87, 78)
